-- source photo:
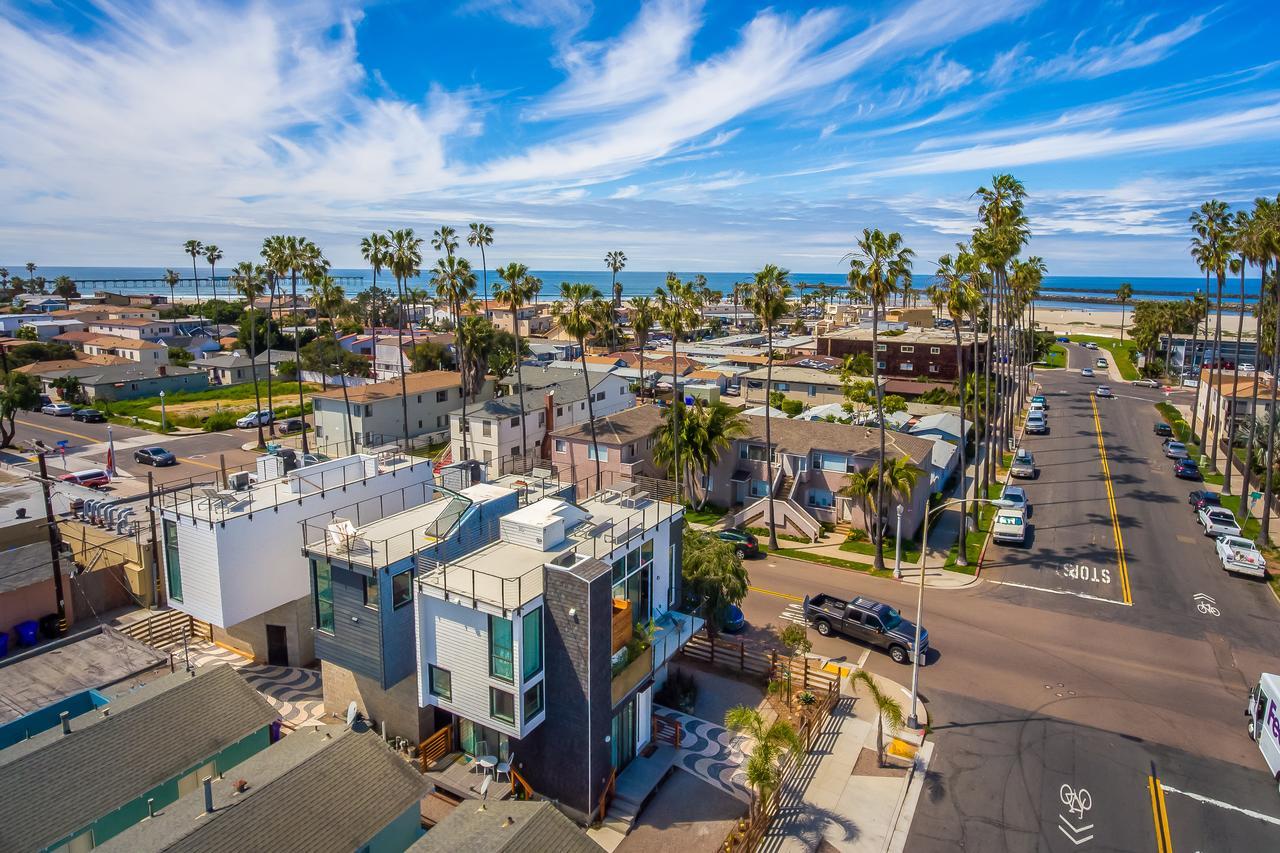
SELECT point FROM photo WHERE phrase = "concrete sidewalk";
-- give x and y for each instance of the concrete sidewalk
(827, 806)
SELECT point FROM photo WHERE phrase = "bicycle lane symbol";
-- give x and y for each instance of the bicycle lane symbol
(1077, 802)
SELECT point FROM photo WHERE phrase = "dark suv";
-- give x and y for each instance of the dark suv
(868, 621)
(743, 542)
(1162, 428)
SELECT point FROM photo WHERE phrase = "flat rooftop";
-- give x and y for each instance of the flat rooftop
(508, 574)
(97, 660)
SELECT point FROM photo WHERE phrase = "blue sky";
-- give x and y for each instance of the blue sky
(692, 135)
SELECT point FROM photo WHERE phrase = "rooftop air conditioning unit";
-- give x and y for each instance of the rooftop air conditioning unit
(239, 481)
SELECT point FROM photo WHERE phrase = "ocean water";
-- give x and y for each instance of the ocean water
(634, 283)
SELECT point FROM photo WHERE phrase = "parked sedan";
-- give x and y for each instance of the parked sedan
(1218, 521)
(1037, 423)
(1240, 556)
(58, 410)
(743, 542)
(1086, 372)
(1162, 428)
(1175, 450)
(93, 478)
(1186, 469)
(1103, 391)
(1199, 499)
(1147, 383)
(89, 416)
(1024, 464)
(1102, 362)
(156, 456)
(1040, 399)
(1017, 498)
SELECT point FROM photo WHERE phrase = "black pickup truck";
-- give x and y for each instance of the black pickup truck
(865, 620)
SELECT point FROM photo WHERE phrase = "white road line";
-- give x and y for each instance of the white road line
(1060, 592)
(1212, 802)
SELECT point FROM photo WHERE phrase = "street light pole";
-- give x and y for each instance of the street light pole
(912, 721)
(897, 556)
(163, 421)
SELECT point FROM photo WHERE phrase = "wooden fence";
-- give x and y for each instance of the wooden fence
(749, 831)
(167, 628)
(732, 655)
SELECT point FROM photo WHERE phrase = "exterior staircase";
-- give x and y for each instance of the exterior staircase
(784, 488)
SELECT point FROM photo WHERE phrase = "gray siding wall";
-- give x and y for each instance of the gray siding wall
(399, 657)
(355, 643)
(577, 694)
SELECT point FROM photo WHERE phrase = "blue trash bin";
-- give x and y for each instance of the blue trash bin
(27, 632)
(4, 644)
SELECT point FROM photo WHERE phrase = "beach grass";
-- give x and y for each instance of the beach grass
(1122, 354)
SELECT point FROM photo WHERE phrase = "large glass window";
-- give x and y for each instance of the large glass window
(371, 590)
(631, 577)
(531, 643)
(501, 656)
(594, 452)
(401, 589)
(533, 701)
(173, 566)
(322, 580)
(440, 682)
(502, 705)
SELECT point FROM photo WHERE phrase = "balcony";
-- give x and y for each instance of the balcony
(622, 625)
(629, 677)
(639, 657)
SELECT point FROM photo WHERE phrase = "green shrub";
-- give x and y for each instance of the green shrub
(679, 691)
(219, 421)
(791, 408)
(857, 536)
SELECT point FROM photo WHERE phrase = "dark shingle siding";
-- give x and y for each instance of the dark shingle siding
(55, 784)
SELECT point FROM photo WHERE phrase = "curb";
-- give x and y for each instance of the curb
(982, 555)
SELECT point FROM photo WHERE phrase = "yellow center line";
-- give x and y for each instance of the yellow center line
(1159, 816)
(785, 595)
(63, 432)
(1111, 502)
(198, 462)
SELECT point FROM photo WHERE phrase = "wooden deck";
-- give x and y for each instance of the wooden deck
(463, 778)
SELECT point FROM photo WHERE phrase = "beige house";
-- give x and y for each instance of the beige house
(139, 328)
(624, 446)
(809, 385)
(142, 352)
(377, 411)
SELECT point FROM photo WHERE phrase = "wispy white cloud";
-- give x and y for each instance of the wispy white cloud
(559, 14)
(1125, 52)
(635, 66)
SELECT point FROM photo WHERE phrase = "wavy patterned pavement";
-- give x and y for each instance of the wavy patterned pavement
(711, 752)
(294, 692)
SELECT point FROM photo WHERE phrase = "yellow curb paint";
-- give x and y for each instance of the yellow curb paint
(785, 595)
(1111, 502)
(1159, 816)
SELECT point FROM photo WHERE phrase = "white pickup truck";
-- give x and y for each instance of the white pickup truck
(1240, 556)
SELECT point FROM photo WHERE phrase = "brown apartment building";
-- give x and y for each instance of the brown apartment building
(919, 353)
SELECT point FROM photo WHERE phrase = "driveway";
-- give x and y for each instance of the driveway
(294, 692)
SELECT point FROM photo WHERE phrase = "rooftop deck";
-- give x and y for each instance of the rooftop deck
(457, 774)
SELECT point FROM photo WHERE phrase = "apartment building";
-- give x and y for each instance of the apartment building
(139, 328)
(231, 550)
(529, 646)
(903, 351)
(623, 446)
(377, 409)
(362, 561)
(809, 385)
(142, 352)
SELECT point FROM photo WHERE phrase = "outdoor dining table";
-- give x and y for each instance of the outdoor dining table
(487, 762)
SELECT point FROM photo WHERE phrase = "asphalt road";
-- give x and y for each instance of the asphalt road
(198, 454)
(1058, 682)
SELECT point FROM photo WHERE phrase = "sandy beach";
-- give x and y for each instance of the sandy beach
(1089, 320)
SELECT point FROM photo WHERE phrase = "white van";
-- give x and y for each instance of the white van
(1009, 525)
(1264, 719)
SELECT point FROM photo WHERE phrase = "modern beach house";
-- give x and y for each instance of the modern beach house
(231, 550)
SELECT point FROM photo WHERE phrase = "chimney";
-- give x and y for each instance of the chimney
(551, 409)
(22, 512)
(66, 722)
(208, 794)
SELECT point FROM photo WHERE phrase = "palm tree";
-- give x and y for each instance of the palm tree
(644, 314)
(172, 278)
(376, 251)
(481, 235)
(1123, 294)
(615, 261)
(514, 293)
(31, 270)
(445, 239)
(580, 311)
(303, 257)
(456, 286)
(678, 313)
(708, 430)
(475, 336)
(1211, 243)
(213, 254)
(1267, 214)
(247, 279)
(275, 255)
(773, 742)
(768, 301)
(405, 262)
(876, 269)
(4, 278)
(1250, 243)
(1199, 311)
(952, 289)
(195, 249)
(862, 488)
(888, 709)
(1239, 243)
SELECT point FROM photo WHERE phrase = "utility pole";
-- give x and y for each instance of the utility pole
(155, 542)
(53, 545)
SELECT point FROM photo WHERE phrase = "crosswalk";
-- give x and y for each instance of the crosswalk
(794, 613)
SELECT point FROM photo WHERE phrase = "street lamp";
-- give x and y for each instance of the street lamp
(897, 556)
(163, 422)
(912, 721)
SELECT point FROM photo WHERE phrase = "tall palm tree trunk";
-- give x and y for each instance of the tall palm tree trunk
(297, 358)
(271, 310)
(988, 433)
(962, 558)
(878, 534)
(456, 305)
(1253, 399)
(1269, 485)
(1235, 389)
(591, 409)
(253, 368)
(1190, 359)
(979, 426)
(524, 436)
(676, 405)
(1217, 368)
(768, 437)
(404, 385)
